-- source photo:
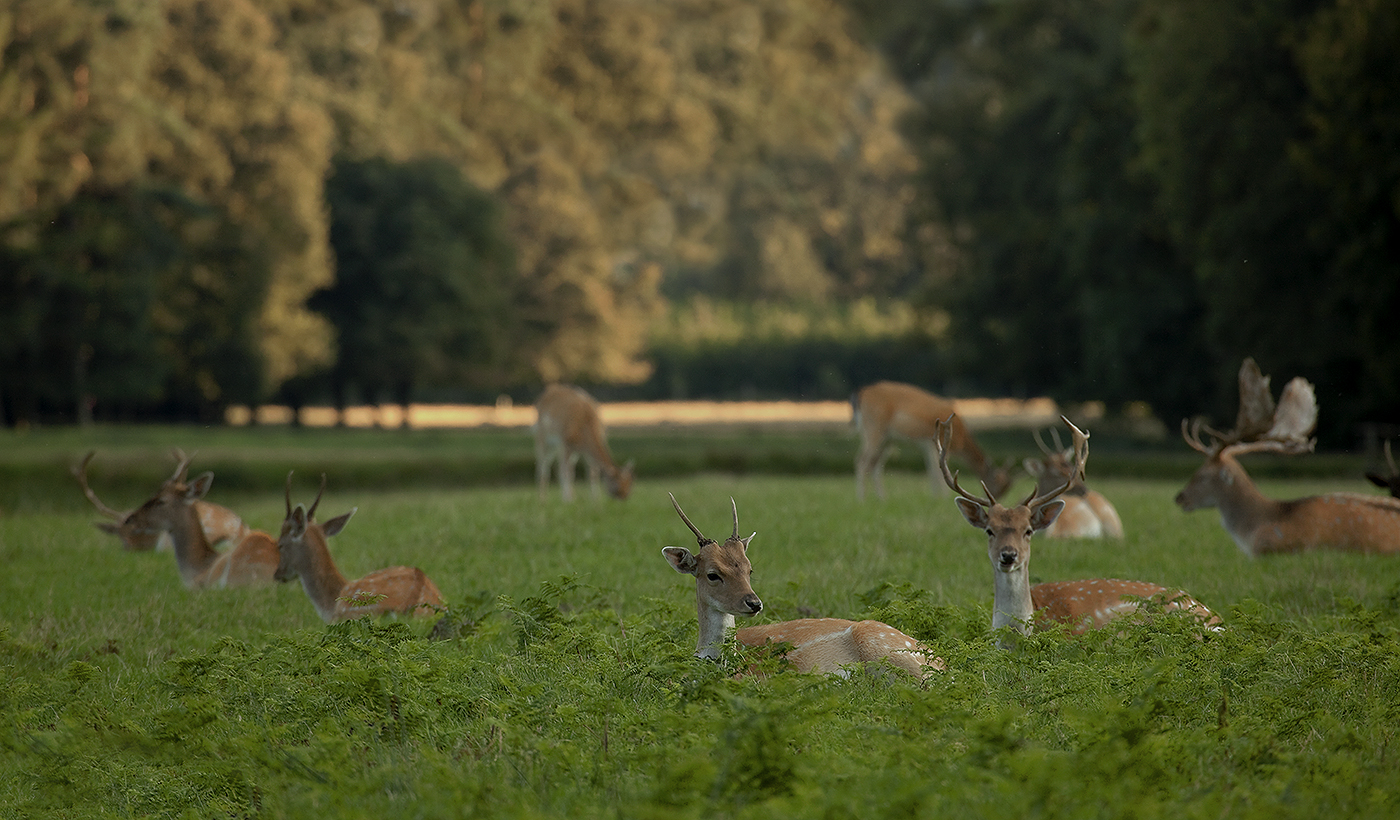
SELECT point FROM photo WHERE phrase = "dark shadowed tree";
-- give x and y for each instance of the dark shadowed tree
(422, 293)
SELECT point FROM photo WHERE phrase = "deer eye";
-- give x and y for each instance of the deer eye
(989, 531)
(714, 577)
(1029, 532)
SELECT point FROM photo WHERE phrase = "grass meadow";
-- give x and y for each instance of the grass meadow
(569, 688)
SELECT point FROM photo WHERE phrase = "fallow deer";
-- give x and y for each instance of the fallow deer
(1081, 605)
(826, 645)
(305, 554)
(220, 524)
(250, 561)
(886, 409)
(567, 426)
(1087, 514)
(1261, 525)
(1389, 480)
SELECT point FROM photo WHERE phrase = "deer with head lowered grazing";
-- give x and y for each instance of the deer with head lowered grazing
(886, 409)
(220, 524)
(304, 553)
(567, 427)
(826, 645)
(1261, 525)
(1082, 605)
(1087, 514)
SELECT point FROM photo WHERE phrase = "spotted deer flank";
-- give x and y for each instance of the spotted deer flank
(830, 646)
(1080, 605)
(304, 553)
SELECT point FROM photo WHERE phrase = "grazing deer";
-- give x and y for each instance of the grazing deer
(886, 409)
(1391, 479)
(250, 561)
(305, 554)
(1082, 605)
(1087, 514)
(1263, 526)
(827, 645)
(220, 524)
(566, 427)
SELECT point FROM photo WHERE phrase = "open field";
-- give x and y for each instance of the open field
(571, 692)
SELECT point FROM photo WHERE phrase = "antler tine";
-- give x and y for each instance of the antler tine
(182, 464)
(1055, 434)
(312, 511)
(699, 536)
(1076, 472)
(1389, 459)
(1193, 437)
(289, 493)
(736, 515)
(79, 472)
(944, 429)
(1041, 442)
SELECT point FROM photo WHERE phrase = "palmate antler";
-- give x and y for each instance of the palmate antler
(1260, 425)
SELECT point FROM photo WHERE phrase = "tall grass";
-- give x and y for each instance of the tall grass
(570, 690)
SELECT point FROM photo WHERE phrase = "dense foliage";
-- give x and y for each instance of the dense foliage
(1143, 193)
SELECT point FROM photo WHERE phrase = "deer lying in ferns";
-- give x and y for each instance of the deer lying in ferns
(827, 645)
(1082, 605)
(304, 553)
(1087, 514)
(1389, 480)
(886, 409)
(220, 524)
(567, 426)
(250, 561)
(1261, 525)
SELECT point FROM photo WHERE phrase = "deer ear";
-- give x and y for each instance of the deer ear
(681, 560)
(335, 525)
(298, 521)
(199, 487)
(975, 513)
(1045, 515)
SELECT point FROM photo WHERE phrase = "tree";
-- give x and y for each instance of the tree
(423, 287)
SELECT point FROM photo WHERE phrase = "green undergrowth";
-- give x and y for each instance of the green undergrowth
(559, 705)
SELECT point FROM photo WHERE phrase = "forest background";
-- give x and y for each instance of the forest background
(208, 203)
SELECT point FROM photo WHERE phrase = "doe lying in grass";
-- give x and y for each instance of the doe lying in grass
(304, 553)
(827, 645)
(1083, 605)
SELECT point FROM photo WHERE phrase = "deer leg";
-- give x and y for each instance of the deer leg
(935, 474)
(543, 459)
(594, 479)
(568, 466)
(867, 463)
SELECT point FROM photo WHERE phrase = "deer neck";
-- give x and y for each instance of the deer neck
(193, 554)
(1012, 603)
(320, 577)
(714, 626)
(594, 445)
(1242, 507)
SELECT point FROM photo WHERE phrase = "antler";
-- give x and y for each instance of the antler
(182, 464)
(79, 472)
(1260, 425)
(944, 430)
(311, 511)
(289, 493)
(1076, 472)
(699, 536)
(1055, 434)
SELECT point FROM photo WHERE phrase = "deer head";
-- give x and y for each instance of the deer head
(1055, 467)
(137, 528)
(721, 570)
(1009, 530)
(1260, 427)
(299, 526)
(618, 482)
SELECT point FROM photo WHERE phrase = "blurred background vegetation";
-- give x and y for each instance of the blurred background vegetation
(207, 203)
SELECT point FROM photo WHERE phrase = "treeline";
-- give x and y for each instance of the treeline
(195, 194)
(1137, 195)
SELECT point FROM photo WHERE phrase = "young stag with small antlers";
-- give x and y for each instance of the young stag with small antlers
(886, 409)
(1390, 480)
(826, 645)
(220, 524)
(1082, 605)
(250, 561)
(305, 554)
(1087, 514)
(1263, 526)
(567, 426)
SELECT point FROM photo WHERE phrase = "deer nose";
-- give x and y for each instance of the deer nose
(754, 604)
(1008, 558)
